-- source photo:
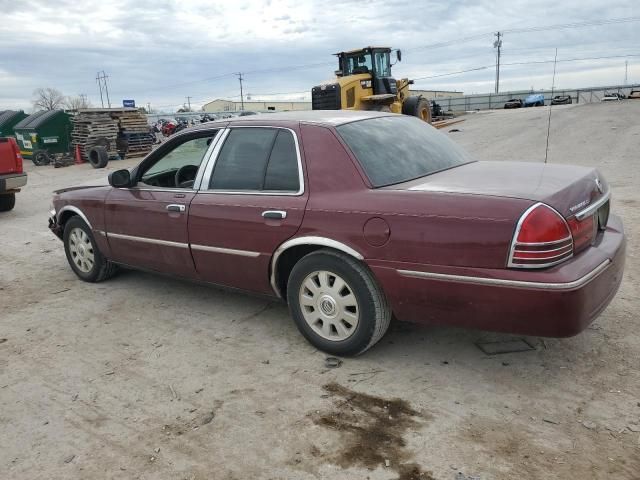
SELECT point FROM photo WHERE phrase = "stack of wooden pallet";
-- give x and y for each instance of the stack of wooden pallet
(134, 131)
(91, 129)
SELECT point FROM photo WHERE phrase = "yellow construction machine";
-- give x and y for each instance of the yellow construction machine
(364, 82)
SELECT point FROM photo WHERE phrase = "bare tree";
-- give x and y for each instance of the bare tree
(47, 99)
(75, 103)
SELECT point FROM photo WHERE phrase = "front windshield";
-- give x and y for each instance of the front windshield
(383, 68)
(360, 63)
(397, 148)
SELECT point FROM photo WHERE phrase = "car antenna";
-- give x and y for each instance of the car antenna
(553, 84)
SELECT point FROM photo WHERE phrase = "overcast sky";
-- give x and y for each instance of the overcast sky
(161, 51)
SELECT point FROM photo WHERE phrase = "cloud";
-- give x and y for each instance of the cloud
(161, 51)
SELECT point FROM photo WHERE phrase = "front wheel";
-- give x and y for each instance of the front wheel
(83, 255)
(336, 303)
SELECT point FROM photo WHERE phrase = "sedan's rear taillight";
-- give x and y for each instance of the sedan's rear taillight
(542, 238)
(583, 231)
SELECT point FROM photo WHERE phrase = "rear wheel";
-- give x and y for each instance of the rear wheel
(7, 202)
(336, 303)
(83, 255)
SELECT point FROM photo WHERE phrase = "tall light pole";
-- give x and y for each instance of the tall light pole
(189, 102)
(498, 44)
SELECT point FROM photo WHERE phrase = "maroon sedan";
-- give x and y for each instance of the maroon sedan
(355, 217)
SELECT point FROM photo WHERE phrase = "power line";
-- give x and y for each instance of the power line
(561, 26)
(572, 59)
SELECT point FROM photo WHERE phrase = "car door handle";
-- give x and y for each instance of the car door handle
(274, 214)
(174, 207)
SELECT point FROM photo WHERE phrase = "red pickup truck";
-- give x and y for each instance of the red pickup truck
(12, 177)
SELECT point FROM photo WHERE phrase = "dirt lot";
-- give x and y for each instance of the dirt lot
(153, 378)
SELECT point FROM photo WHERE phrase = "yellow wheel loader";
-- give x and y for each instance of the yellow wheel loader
(364, 82)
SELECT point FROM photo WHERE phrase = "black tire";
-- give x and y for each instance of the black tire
(101, 269)
(98, 157)
(7, 202)
(374, 314)
(40, 158)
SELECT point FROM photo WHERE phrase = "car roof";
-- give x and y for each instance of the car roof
(323, 117)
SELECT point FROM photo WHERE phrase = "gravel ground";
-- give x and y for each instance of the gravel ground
(153, 378)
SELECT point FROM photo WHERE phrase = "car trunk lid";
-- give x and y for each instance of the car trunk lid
(569, 189)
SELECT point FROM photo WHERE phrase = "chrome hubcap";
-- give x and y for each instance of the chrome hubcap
(81, 250)
(329, 306)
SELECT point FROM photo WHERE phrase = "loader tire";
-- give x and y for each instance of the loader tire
(418, 107)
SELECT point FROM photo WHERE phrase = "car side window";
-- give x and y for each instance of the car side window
(282, 169)
(257, 159)
(178, 167)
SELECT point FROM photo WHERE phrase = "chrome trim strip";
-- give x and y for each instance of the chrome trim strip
(544, 258)
(205, 178)
(517, 232)
(211, 165)
(539, 244)
(499, 282)
(160, 189)
(211, 153)
(582, 214)
(154, 241)
(100, 232)
(75, 210)
(310, 240)
(519, 250)
(230, 251)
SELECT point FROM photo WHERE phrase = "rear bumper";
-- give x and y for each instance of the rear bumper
(12, 182)
(556, 302)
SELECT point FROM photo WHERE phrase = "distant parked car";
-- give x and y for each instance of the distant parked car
(534, 100)
(513, 103)
(613, 97)
(245, 113)
(308, 207)
(561, 100)
(12, 177)
(635, 94)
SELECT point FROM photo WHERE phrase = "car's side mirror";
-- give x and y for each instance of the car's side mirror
(399, 55)
(120, 178)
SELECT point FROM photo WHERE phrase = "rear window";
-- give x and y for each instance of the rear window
(396, 149)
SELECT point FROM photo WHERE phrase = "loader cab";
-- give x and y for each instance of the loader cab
(375, 61)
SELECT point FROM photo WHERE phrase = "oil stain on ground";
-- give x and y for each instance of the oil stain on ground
(372, 430)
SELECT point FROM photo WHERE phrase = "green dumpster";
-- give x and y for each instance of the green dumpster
(8, 120)
(44, 134)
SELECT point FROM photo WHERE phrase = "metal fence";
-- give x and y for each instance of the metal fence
(487, 101)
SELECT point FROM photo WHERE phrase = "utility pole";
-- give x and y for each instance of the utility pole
(189, 102)
(148, 107)
(626, 67)
(241, 95)
(498, 44)
(83, 98)
(99, 82)
(101, 78)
